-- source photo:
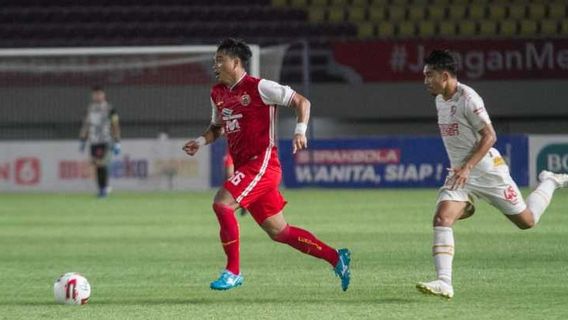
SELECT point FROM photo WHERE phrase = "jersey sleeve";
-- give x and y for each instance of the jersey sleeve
(215, 119)
(476, 113)
(273, 93)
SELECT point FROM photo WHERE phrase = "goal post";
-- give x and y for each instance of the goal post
(154, 88)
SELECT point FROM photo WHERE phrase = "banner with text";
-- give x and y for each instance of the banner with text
(143, 165)
(547, 152)
(389, 162)
(477, 59)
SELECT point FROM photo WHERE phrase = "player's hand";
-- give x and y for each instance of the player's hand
(191, 147)
(458, 178)
(299, 142)
(82, 146)
(116, 149)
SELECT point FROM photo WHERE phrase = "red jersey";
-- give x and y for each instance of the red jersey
(247, 111)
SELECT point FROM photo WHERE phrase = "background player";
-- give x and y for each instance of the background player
(245, 107)
(101, 129)
(478, 170)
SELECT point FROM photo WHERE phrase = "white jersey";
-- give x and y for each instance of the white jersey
(460, 119)
(99, 122)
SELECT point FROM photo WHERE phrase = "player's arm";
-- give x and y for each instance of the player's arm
(114, 126)
(84, 134)
(302, 107)
(479, 119)
(214, 131)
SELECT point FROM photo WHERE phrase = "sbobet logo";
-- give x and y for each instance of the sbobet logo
(553, 157)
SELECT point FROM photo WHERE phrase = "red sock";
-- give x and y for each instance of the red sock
(229, 235)
(307, 243)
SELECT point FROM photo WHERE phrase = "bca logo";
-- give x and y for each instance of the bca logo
(27, 171)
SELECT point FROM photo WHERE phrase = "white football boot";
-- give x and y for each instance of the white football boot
(561, 179)
(437, 288)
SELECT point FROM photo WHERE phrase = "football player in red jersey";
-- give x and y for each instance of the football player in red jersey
(244, 109)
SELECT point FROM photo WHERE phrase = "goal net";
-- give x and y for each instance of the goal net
(45, 92)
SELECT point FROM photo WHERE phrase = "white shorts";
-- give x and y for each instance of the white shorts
(495, 186)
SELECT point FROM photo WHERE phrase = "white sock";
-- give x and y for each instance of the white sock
(540, 198)
(443, 252)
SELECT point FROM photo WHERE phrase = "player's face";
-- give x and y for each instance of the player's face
(98, 96)
(434, 80)
(224, 68)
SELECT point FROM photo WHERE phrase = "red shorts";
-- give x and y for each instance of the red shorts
(254, 186)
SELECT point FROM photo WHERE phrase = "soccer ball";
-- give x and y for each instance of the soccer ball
(72, 288)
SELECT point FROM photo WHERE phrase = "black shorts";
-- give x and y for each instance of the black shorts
(99, 151)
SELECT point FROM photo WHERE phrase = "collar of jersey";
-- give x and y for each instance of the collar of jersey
(239, 81)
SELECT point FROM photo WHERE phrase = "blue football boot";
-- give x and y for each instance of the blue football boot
(342, 268)
(227, 280)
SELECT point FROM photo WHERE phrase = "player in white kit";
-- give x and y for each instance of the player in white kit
(477, 169)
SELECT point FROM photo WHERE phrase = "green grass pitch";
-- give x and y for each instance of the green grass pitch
(152, 256)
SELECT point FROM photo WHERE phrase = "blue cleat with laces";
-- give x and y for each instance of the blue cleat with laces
(227, 280)
(342, 268)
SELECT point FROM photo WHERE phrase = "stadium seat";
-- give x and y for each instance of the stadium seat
(497, 11)
(537, 11)
(377, 14)
(476, 12)
(549, 27)
(279, 3)
(467, 28)
(406, 29)
(366, 30)
(339, 3)
(379, 3)
(299, 3)
(528, 27)
(487, 28)
(556, 10)
(360, 3)
(436, 12)
(396, 13)
(517, 11)
(336, 14)
(564, 28)
(356, 14)
(416, 13)
(447, 28)
(426, 29)
(319, 3)
(317, 14)
(385, 29)
(508, 28)
(456, 12)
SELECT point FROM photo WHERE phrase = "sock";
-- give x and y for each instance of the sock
(102, 177)
(229, 234)
(540, 198)
(307, 243)
(443, 252)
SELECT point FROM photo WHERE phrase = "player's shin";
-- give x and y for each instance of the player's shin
(443, 252)
(540, 198)
(229, 233)
(307, 243)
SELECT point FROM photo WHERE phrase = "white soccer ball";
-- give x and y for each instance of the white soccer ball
(72, 288)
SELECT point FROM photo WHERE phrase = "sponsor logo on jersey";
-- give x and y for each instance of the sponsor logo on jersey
(511, 195)
(219, 103)
(453, 110)
(449, 129)
(245, 100)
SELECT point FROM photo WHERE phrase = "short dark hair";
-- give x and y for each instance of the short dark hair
(442, 60)
(97, 88)
(236, 48)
